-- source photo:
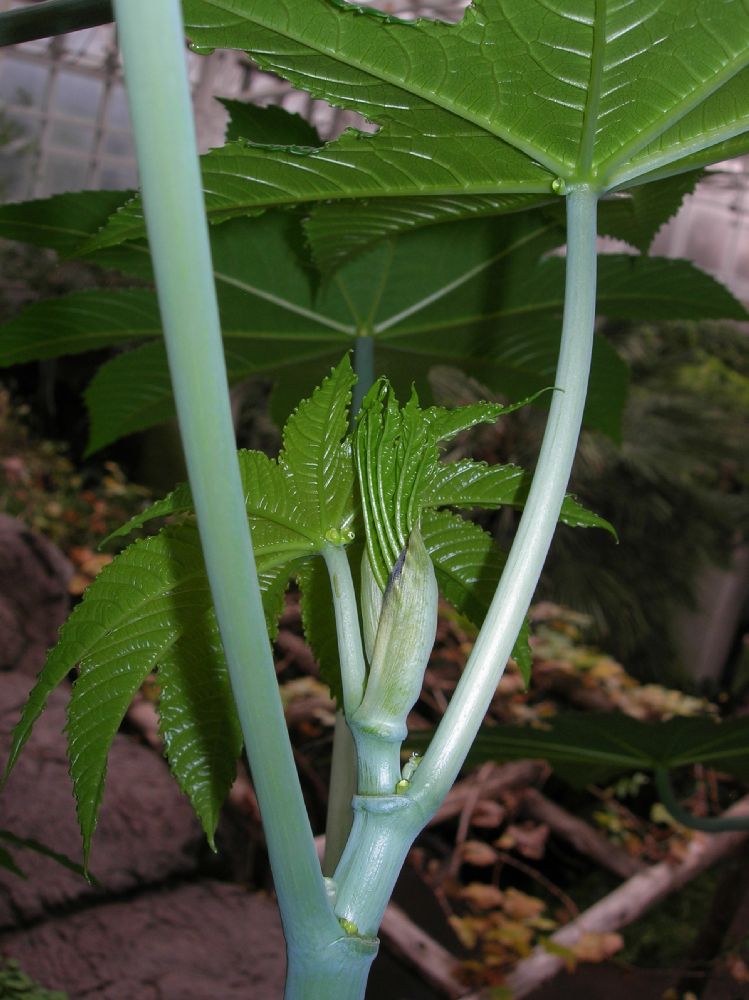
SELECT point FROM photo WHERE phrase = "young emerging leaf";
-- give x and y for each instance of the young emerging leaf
(303, 500)
(396, 452)
(401, 475)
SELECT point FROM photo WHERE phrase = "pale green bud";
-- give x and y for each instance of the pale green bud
(405, 636)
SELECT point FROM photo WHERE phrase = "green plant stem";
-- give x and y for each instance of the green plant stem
(364, 348)
(353, 673)
(54, 17)
(343, 767)
(708, 824)
(340, 973)
(342, 788)
(378, 758)
(472, 697)
(384, 826)
(350, 651)
(151, 38)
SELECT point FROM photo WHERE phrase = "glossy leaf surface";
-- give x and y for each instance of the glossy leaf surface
(519, 97)
(151, 611)
(401, 476)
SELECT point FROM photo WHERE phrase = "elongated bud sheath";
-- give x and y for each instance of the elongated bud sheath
(405, 637)
(371, 606)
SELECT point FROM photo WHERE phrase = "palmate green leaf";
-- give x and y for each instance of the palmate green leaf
(295, 506)
(303, 500)
(474, 295)
(517, 96)
(442, 297)
(316, 457)
(584, 748)
(277, 322)
(149, 609)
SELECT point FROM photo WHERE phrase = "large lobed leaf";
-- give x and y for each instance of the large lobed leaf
(150, 600)
(151, 610)
(475, 295)
(521, 97)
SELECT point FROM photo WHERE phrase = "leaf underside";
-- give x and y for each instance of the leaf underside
(476, 295)
(517, 97)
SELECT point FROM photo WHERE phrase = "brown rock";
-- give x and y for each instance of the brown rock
(147, 831)
(196, 942)
(34, 598)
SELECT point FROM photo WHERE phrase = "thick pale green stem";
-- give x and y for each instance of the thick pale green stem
(151, 37)
(485, 666)
(338, 972)
(384, 826)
